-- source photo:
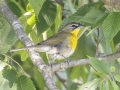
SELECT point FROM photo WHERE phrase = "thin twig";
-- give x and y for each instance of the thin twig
(98, 42)
(15, 62)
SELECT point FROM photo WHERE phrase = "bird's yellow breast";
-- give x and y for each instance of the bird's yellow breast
(74, 38)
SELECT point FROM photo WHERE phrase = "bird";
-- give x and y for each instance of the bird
(59, 46)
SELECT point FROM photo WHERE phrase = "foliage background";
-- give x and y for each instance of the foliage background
(41, 19)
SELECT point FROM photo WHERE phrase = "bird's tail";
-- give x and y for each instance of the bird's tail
(40, 48)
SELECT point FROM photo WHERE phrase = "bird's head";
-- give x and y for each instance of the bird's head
(73, 28)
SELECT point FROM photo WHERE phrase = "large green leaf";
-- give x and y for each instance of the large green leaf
(9, 74)
(111, 26)
(46, 16)
(99, 20)
(117, 77)
(37, 5)
(7, 78)
(82, 11)
(91, 16)
(38, 79)
(23, 83)
(99, 65)
(15, 7)
(4, 83)
(7, 36)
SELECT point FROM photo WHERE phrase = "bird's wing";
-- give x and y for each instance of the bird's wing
(52, 44)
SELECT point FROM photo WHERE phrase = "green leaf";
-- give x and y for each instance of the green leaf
(29, 8)
(15, 7)
(35, 38)
(102, 86)
(24, 55)
(92, 85)
(4, 83)
(112, 85)
(116, 38)
(7, 78)
(117, 77)
(38, 78)
(31, 20)
(7, 36)
(99, 65)
(91, 16)
(112, 69)
(70, 85)
(79, 72)
(75, 72)
(27, 21)
(99, 20)
(9, 74)
(23, 83)
(46, 16)
(111, 26)
(37, 5)
(82, 11)
(58, 18)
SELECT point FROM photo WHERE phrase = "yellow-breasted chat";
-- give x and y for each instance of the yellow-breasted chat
(61, 45)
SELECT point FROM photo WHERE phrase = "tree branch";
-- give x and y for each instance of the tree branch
(36, 59)
(73, 63)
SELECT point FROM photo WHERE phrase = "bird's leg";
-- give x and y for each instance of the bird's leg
(50, 63)
(67, 60)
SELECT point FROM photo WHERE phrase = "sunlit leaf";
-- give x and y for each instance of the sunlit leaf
(37, 5)
(46, 16)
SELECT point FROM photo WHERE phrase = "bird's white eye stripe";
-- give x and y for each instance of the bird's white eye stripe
(74, 25)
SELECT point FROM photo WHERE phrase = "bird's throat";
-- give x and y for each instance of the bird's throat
(74, 38)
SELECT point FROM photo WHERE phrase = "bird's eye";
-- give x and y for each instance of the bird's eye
(74, 26)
